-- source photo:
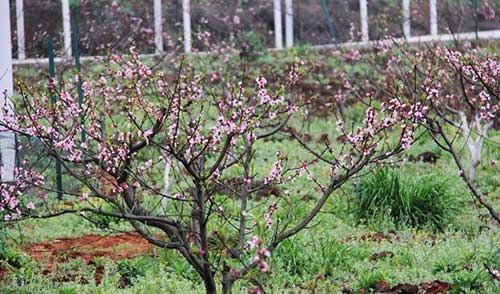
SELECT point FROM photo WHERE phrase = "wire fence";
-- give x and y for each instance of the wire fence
(112, 25)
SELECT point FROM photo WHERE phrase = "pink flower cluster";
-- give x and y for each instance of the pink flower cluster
(10, 204)
(275, 175)
(262, 254)
(268, 215)
(130, 109)
(480, 81)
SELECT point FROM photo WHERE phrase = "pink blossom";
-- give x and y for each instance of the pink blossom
(261, 81)
(147, 135)
(496, 273)
(264, 252)
(264, 267)
(254, 242)
(67, 144)
(84, 196)
(269, 213)
(275, 174)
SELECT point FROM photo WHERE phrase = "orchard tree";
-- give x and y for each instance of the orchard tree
(460, 90)
(176, 158)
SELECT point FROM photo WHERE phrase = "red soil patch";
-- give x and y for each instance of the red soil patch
(116, 247)
(434, 287)
(87, 247)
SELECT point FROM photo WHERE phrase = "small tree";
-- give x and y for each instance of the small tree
(135, 122)
(461, 94)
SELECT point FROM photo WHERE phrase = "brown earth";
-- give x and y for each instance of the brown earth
(116, 247)
(87, 247)
(434, 287)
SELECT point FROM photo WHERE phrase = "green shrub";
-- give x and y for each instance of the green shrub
(416, 201)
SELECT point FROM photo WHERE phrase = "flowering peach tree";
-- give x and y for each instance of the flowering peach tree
(176, 158)
(460, 91)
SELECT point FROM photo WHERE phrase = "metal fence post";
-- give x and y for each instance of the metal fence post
(278, 29)
(78, 65)
(289, 23)
(7, 139)
(52, 73)
(158, 27)
(363, 11)
(433, 16)
(406, 19)
(186, 20)
(476, 18)
(21, 49)
(66, 28)
(329, 21)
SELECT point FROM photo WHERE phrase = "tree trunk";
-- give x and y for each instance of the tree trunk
(226, 280)
(210, 287)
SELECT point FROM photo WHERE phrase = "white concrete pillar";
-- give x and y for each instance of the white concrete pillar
(433, 17)
(21, 49)
(186, 20)
(66, 28)
(406, 19)
(158, 27)
(289, 23)
(7, 139)
(278, 29)
(363, 11)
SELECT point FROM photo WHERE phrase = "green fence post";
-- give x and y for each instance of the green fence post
(52, 73)
(476, 18)
(329, 21)
(76, 53)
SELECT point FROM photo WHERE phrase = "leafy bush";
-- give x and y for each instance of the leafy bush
(416, 201)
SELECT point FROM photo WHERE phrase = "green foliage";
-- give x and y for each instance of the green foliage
(417, 201)
(253, 40)
(368, 279)
(470, 281)
(445, 265)
(355, 113)
(325, 257)
(103, 221)
(10, 257)
(131, 269)
(178, 266)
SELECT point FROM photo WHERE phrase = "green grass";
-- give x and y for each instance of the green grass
(422, 200)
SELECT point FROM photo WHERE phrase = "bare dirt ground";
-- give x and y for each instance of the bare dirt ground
(87, 247)
(54, 253)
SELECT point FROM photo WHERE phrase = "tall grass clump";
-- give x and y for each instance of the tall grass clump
(417, 201)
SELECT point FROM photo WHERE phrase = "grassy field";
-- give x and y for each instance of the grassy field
(354, 246)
